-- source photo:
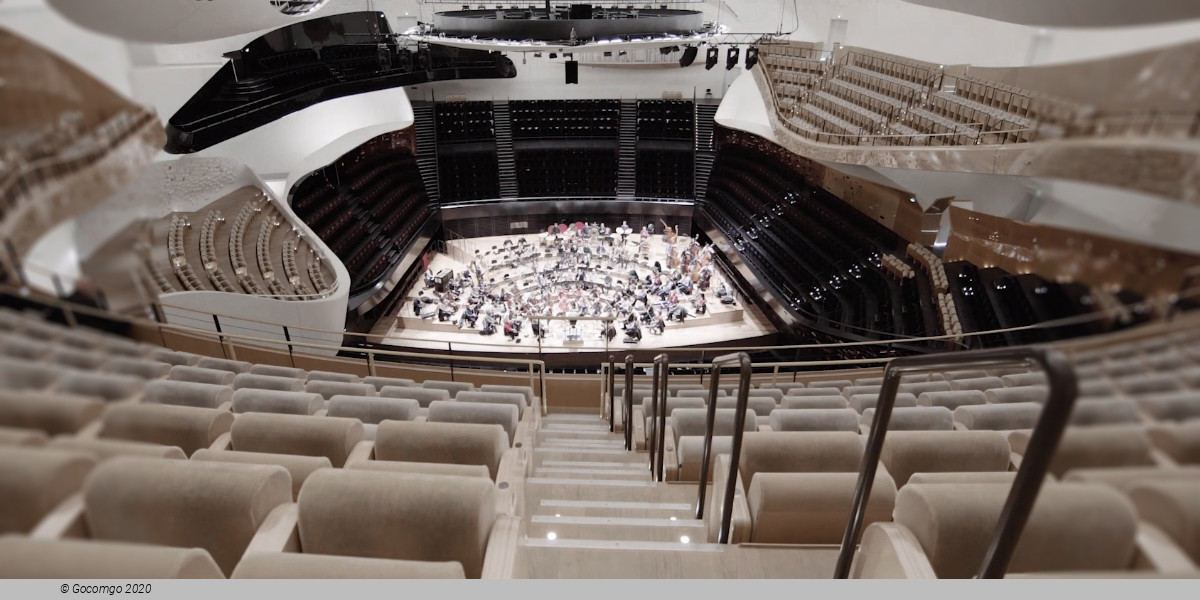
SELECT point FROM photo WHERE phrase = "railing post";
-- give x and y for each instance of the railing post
(627, 405)
(661, 362)
(1046, 435)
(612, 386)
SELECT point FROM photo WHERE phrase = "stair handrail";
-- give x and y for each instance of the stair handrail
(658, 399)
(612, 387)
(742, 360)
(627, 405)
(1047, 433)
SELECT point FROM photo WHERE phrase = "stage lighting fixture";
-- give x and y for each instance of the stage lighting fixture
(710, 59)
(731, 57)
(751, 57)
(553, 55)
(689, 56)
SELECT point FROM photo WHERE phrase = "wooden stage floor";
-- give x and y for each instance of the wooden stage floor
(721, 323)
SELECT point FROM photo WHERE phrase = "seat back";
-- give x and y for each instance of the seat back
(692, 421)
(1173, 506)
(331, 437)
(515, 399)
(453, 411)
(453, 387)
(188, 427)
(329, 389)
(800, 452)
(298, 467)
(187, 393)
(1073, 527)
(915, 418)
(373, 410)
(1087, 447)
(189, 504)
(812, 508)
(291, 565)
(267, 382)
(407, 516)
(908, 452)
(805, 402)
(248, 400)
(104, 449)
(48, 412)
(814, 419)
(27, 558)
(999, 417)
(457, 443)
(951, 399)
(34, 481)
(424, 396)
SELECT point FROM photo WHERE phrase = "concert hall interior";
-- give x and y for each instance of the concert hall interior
(740, 289)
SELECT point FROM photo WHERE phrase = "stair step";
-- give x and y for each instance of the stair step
(567, 418)
(621, 545)
(590, 482)
(643, 473)
(619, 521)
(616, 505)
(603, 464)
(577, 450)
(553, 441)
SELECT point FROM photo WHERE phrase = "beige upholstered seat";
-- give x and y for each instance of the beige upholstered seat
(102, 385)
(382, 382)
(20, 436)
(806, 402)
(52, 413)
(331, 437)
(817, 391)
(1101, 446)
(282, 402)
(104, 449)
(908, 452)
(1011, 395)
(137, 367)
(424, 396)
(404, 516)
(1174, 507)
(201, 375)
(33, 481)
(1171, 406)
(188, 504)
(333, 376)
(1072, 527)
(977, 383)
(290, 565)
(298, 467)
(26, 558)
(187, 393)
(515, 399)
(267, 382)
(453, 411)
(951, 399)
(373, 410)
(999, 417)
(456, 443)
(222, 364)
(454, 387)
(1179, 441)
(17, 374)
(861, 402)
(188, 427)
(814, 419)
(329, 389)
(524, 390)
(812, 508)
(915, 418)
(275, 371)
(428, 468)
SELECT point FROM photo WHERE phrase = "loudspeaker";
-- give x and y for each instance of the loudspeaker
(751, 57)
(710, 60)
(731, 57)
(572, 71)
(580, 11)
(689, 56)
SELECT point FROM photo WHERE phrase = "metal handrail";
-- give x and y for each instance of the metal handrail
(739, 423)
(612, 387)
(658, 437)
(627, 405)
(1046, 435)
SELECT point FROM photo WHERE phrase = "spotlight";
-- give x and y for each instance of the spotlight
(665, 50)
(710, 59)
(731, 57)
(689, 56)
(553, 55)
(751, 57)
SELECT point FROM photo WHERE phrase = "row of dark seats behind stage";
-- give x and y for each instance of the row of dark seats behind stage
(367, 209)
(824, 259)
(564, 148)
(538, 119)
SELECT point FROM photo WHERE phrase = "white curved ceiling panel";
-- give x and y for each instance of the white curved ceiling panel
(1074, 13)
(184, 21)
